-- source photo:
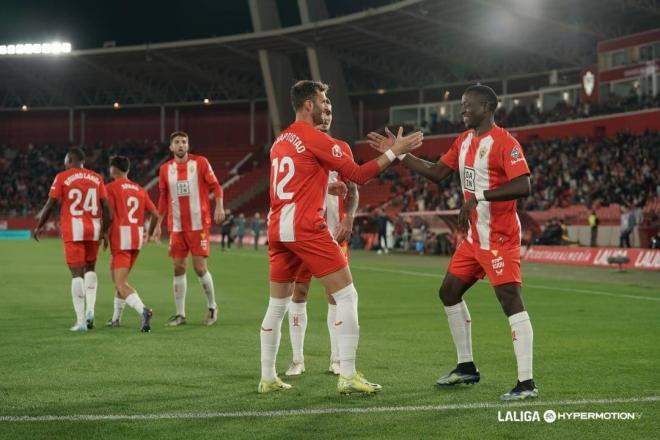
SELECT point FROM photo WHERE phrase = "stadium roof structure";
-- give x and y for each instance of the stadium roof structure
(406, 44)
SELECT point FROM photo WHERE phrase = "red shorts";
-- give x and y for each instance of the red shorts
(321, 257)
(304, 275)
(470, 263)
(193, 242)
(124, 259)
(80, 253)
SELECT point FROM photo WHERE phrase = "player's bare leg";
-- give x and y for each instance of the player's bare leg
(298, 327)
(206, 281)
(118, 308)
(510, 297)
(340, 285)
(131, 297)
(91, 284)
(451, 294)
(78, 297)
(180, 286)
(271, 332)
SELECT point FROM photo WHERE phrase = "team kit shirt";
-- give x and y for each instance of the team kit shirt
(129, 202)
(79, 191)
(301, 158)
(487, 162)
(184, 188)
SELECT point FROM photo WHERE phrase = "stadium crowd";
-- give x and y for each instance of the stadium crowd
(27, 173)
(521, 114)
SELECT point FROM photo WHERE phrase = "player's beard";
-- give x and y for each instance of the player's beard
(180, 154)
(317, 115)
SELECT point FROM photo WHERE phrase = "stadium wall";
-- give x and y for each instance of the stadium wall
(222, 125)
(643, 259)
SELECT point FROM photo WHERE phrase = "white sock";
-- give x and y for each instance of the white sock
(460, 326)
(91, 283)
(207, 284)
(78, 297)
(119, 308)
(297, 328)
(134, 301)
(334, 347)
(180, 286)
(347, 329)
(523, 338)
(271, 331)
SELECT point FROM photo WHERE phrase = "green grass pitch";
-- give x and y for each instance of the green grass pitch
(596, 341)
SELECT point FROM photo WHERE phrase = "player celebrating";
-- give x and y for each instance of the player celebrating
(128, 201)
(493, 174)
(84, 219)
(185, 183)
(339, 213)
(298, 234)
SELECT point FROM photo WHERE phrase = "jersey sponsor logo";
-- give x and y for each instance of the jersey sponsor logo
(182, 188)
(468, 178)
(336, 151)
(516, 156)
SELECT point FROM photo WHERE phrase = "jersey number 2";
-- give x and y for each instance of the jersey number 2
(133, 204)
(88, 205)
(278, 167)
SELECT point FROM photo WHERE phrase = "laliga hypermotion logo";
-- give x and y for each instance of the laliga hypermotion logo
(588, 82)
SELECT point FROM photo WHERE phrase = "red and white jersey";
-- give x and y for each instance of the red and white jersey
(79, 191)
(334, 205)
(301, 158)
(128, 201)
(184, 193)
(487, 162)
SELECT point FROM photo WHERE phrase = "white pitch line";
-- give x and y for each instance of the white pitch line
(321, 411)
(538, 286)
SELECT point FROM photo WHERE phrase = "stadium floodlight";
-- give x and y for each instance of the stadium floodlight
(51, 48)
(24, 108)
(115, 106)
(207, 101)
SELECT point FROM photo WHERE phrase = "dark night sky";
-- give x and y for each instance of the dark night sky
(88, 23)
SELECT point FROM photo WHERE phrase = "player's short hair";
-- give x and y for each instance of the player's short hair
(304, 90)
(486, 93)
(178, 133)
(122, 163)
(77, 154)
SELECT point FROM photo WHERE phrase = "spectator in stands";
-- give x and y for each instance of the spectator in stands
(225, 230)
(381, 222)
(240, 229)
(628, 223)
(256, 225)
(593, 225)
(551, 235)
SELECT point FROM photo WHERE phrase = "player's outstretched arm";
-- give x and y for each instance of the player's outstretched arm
(44, 214)
(350, 171)
(435, 172)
